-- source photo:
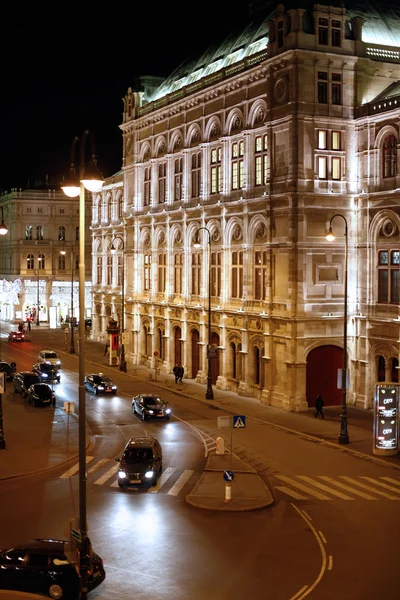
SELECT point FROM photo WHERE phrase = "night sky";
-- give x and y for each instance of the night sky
(57, 82)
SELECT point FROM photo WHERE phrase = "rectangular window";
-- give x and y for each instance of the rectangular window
(388, 277)
(61, 211)
(261, 162)
(162, 272)
(40, 210)
(178, 178)
(260, 275)
(147, 272)
(237, 274)
(336, 88)
(322, 167)
(119, 271)
(237, 165)
(28, 232)
(336, 140)
(196, 174)
(99, 270)
(162, 179)
(280, 34)
(109, 270)
(323, 31)
(28, 210)
(215, 170)
(322, 87)
(215, 274)
(196, 273)
(336, 170)
(147, 186)
(178, 273)
(336, 34)
(322, 139)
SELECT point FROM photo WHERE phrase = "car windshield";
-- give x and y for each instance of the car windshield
(48, 368)
(151, 401)
(42, 391)
(134, 454)
(101, 379)
(50, 355)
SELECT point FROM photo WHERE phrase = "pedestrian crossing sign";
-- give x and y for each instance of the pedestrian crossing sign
(239, 421)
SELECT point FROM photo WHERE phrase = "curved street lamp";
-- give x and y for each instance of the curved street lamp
(63, 252)
(3, 231)
(209, 391)
(343, 434)
(122, 364)
(91, 179)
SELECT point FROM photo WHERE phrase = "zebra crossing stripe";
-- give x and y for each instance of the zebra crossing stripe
(107, 475)
(325, 488)
(99, 464)
(391, 480)
(178, 485)
(164, 477)
(369, 488)
(74, 469)
(384, 485)
(343, 486)
(303, 488)
(291, 493)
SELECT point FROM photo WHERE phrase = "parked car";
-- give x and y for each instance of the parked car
(41, 394)
(49, 357)
(16, 336)
(47, 373)
(42, 566)
(7, 369)
(141, 462)
(98, 383)
(148, 406)
(23, 380)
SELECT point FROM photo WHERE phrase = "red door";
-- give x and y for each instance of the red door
(322, 368)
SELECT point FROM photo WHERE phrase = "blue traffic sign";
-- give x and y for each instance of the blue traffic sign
(229, 475)
(239, 421)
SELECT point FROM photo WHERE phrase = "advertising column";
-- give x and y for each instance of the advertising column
(386, 419)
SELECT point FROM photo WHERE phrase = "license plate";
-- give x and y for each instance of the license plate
(135, 481)
(160, 415)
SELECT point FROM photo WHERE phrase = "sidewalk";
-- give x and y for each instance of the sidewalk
(56, 440)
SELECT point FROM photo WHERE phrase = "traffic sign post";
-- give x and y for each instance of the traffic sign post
(229, 476)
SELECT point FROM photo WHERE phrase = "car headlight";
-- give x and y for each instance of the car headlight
(44, 375)
(59, 362)
(114, 387)
(167, 411)
(149, 474)
(101, 387)
(151, 412)
(121, 474)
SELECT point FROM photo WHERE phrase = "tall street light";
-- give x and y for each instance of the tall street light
(63, 252)
(3, 231)
(91, 179)
(209, 391)
(343, 434)
(122, 364)
(38, 291)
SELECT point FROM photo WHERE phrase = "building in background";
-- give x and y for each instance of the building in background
(34, 276)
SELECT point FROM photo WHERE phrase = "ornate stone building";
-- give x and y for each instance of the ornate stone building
(255, 147)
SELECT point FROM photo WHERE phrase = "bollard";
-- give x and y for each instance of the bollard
(228, 492)
(220, 446)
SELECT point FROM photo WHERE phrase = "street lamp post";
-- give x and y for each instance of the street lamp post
(209, 390)
(3, 231)
(91, 179)
(38, 292)
(122, 364)
(63, 252)
(343, 434)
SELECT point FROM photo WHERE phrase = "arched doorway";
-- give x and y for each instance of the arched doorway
(322, 369)
(195, 353)
(215, 361)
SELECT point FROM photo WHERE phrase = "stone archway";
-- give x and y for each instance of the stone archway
(322, 369)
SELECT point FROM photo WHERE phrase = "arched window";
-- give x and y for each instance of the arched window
(257, 365)
(39, 232)
(395, 370)
(30, 262)
(233, 358)
(61, 232)
(61, 262)
(120, 206)
(77, 234)
(109, 210)
(381, 368)
(28, 232)
(41, 262)
(389, 155)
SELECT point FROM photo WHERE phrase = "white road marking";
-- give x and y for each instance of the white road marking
(290, 492)
(163, 479)
(369, 488)
(99, 464)
(178, 485)
(74, 469)
(325, 488)
(346, 487)
(107, 475)
(303, 488)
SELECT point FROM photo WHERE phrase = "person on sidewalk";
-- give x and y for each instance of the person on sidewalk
(319, 404)
(176, 372)
(181, 373)
(106, 349)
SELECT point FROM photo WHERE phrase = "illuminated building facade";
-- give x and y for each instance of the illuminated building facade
(262, 141)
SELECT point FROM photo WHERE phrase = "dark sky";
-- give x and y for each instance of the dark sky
(57, 82)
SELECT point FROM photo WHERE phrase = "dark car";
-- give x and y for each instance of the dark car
(41, 394)
(47, 373)
(16, 336)
(42, 566)
(150, 406)
(141, 462)
(7, 369)
(98, 383)
(23, 380)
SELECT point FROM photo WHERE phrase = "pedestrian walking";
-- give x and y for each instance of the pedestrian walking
(29, 324)
(181, 373)
(319, 405)
(107, 347)
(176, 371)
